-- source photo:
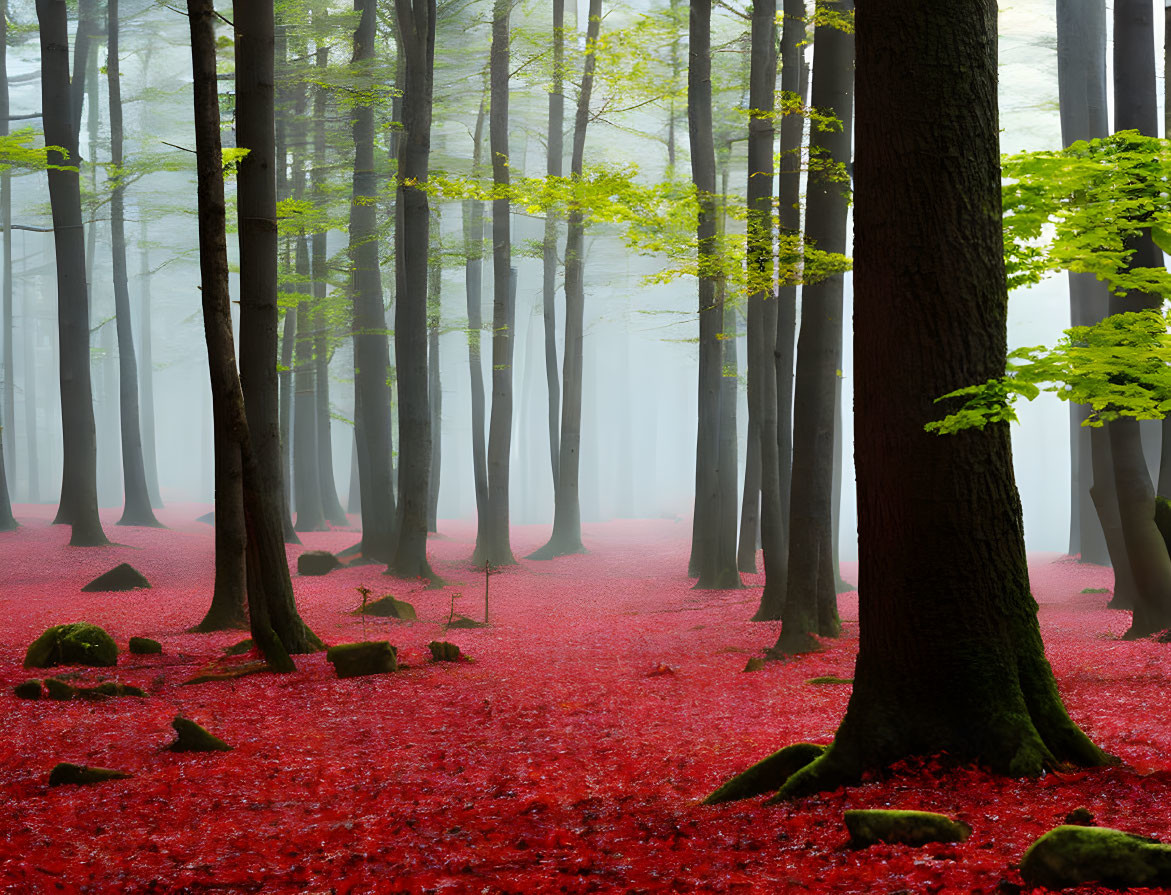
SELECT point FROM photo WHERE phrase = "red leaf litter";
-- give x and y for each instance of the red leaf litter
(605, 700)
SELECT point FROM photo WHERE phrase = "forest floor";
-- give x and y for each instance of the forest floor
(569, 755)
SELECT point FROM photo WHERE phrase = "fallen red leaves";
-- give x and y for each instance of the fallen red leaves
(606, 699)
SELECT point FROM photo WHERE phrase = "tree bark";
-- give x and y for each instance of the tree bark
(554, 167)
(146, 370)
(79, 494)
(8, 398)
(434, 383)
(950, 654)
(473, 223)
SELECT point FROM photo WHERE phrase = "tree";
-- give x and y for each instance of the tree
(950, 654)
(416, 28)
(79, 492)
(473, 227)
(8, 397)
(434, 381)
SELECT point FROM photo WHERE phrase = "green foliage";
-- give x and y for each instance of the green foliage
(19, 150)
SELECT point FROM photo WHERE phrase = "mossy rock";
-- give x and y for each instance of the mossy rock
(368, 657)
(756, 663)
(444, 651)
(59, 690)
(66, 774)
(767, 775)
(830, 679)
(317, 562)
(121, 577)
(1080, 816)
(239, 649)
(28, 690)
(389, 607)
(144, 646)
(78, 643)
(870, 826)
(195, 738)
(207, 518)
(462, 621)
(1073, 855)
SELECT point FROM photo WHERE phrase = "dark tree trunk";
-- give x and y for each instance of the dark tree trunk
(30, 328)
(137, 509)
(494, 545)
(473, 222)
(284, 378)
(810, 604)
(1135, 107)
(87, 30)
(714, 566)
(276, 626)
(8, 399)
(566, 536)
(750, 501)
(79, 492)
(434, 383)
(416, 28)
(146, 372)
(371, 351)
(950, 656)
(553, 168)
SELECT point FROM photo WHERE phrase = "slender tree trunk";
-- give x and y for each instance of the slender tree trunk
(434, 384)
(146, 369)
(371, 352)
(79, 493)
(473, 222)
(494, 545)
(566, 536)
(553, 168)
(30, 333)
(137, 510)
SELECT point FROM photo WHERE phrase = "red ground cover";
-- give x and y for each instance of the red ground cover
(555, 761)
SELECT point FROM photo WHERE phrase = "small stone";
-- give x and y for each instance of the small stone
(830, 679)
(870, 826)
(756, 663)
(368, 657)
(144, 646)
(107, 690)
(28, 690)
(462, 621)
(1081, 817)
(121, 577)
(195, 738)
(316, 562)
(1073, 855)
(66, 773)
(444, 651)
(389, 607)
(78, 643)
(59, 690)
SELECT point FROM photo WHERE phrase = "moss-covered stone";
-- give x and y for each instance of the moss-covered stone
(59, 689)
(389, 607)
(444, 651)
(830, 679)
(1080, 816)
(767, 775)
(108, 690)
(869, 826)
(462, 621)
(368, 657)
(144, 646)
(756, 663)
(1073, 855)
(78, 643)
(316, 562)
(65, 774)
(28, 690)
(121, 577)
(195, 738)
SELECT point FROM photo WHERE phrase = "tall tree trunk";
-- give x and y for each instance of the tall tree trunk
(146, 369)
(371, 351)
(8, 398)
(274, 619)
(416, 28)
(494, 545)
(566, 536)
(553, 168)
(950, 654)
(1135, 107)
(434, 383)
(137, 510)
(79, 492)
(30, 333)
(473, 223)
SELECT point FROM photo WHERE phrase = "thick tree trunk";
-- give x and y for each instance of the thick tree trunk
(371, 351)
(79, 494)
(566, 536)
(434, 383)
(950, 656)
(494, 545)
(275, 624)
(416, 26)
(137, 509)
(8, 398)
(810, 604)
(473, 223)
(554, 167)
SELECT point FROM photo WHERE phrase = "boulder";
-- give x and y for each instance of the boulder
(389, 607)
(123, 577)
(444, 651)
(79, 643)
(195, 738)
(28, 690)
(66, 773)
(144, 646)
(367, 657)
(1074, 855)
(59, 689)
(316, 562)
(870, 826)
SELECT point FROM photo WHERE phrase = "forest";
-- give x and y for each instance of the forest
(529, 446)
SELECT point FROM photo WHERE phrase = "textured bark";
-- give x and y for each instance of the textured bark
(79, 495)
(33, 494)
(950, 654)
(554, 167)
(416, 28)
(371, 351)
(473, 223)
(276, 626)
(434, 382)
(810, 604)
(566, 536)
(494, 544)
(146, 371)
(8, 398)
